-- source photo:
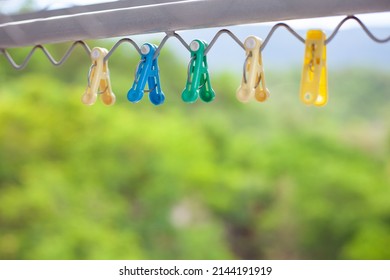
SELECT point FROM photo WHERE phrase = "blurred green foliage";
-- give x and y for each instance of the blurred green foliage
(223, 180)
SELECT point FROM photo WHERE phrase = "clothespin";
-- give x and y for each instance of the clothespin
(198, 80)
(314, 84)
(98, 79)
(147, 71)
(253, 80)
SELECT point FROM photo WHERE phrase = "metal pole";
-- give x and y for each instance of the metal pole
(123, 18)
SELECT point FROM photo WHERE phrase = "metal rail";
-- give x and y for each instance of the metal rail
(130, 17)
(183, 42)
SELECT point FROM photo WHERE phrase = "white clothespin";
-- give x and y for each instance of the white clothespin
(98, 79)
(253, 80)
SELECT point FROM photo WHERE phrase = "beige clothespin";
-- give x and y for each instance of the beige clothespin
(253, 80)
(98, 79)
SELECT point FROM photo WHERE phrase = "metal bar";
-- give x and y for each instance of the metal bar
(78, 9)
(163, 16)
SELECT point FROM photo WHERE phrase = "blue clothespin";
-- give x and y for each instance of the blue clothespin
(147, 71)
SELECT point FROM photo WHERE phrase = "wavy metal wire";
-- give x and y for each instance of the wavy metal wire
(165, 39)
(183, 42)
(117, 44)
(47, 53)
(364, 27)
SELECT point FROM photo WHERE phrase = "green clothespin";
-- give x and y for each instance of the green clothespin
(198, 80)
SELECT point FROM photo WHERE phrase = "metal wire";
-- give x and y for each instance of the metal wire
(219, 33)
(117, 44)
(177, 36)
(365, 29)
(189, 80)
(244, 71)
(46, 52)
(274, 28)
(244, 67)
(165, 39)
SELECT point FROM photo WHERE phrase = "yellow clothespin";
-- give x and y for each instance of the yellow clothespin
(98, 79)
(253, 80)
(314, 84)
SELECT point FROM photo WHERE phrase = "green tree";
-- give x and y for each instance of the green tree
(223, 180)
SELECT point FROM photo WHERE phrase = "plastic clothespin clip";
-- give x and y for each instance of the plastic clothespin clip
(147, 71)
(314, 84)
(253, 79)
(198, 80)
(98, 79)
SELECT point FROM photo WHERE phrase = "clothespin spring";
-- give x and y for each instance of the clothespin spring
(189, 79)
(89, 79)
(244, 71)
(311, 63)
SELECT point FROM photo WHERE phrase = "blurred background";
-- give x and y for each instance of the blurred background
(224, 180)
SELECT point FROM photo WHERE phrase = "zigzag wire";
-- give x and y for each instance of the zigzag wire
(165, 39)
(177, 36)
(117, 44)
(219, 33)
(47, 53)
(274, 28)
(363, 26)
